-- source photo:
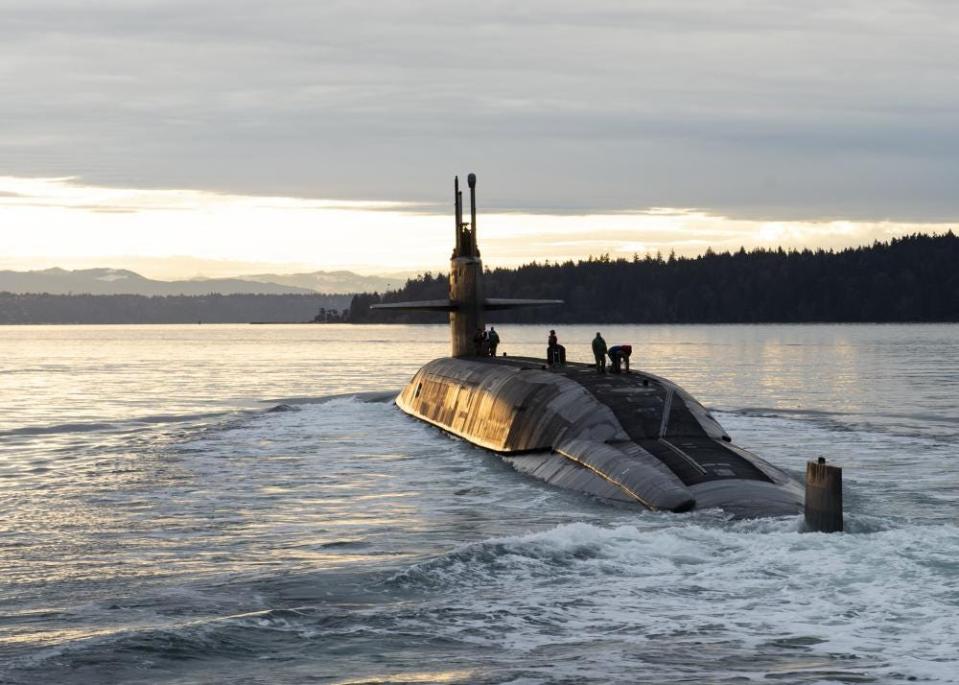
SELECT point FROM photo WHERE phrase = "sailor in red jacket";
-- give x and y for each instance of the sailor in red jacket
(619, 356)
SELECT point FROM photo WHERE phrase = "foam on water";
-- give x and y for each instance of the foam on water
(595, 593)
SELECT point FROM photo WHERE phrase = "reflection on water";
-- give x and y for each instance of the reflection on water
(157, 526)
(58, 376)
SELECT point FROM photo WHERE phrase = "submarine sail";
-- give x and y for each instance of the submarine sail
(632, 437)
(465, 303)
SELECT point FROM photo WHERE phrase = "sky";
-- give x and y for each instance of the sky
(215, 138)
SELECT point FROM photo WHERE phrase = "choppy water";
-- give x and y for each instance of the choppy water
(156, 526)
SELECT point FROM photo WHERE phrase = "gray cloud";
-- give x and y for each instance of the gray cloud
(770, 109)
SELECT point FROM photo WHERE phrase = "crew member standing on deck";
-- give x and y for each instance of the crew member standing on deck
(599, 352)
(551, 342)
(619, 356)
(479, 342)
(555, 353)
(492, 339)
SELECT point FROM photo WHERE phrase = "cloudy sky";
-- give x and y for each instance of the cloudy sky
(326, 134)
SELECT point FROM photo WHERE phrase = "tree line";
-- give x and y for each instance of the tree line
(913, 278)
(44, 308)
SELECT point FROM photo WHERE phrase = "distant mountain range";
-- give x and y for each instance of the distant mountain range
(335, 281)
(123, 282)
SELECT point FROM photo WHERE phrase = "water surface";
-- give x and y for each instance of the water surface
(158, 526)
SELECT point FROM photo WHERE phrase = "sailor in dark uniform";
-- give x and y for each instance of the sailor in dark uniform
(599, 352)
(555, 353)
(479, 342)
(492, 339)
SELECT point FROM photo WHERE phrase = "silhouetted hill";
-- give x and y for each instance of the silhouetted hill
(123, 282)
(331, 281)
(914, 278)
(95, 309)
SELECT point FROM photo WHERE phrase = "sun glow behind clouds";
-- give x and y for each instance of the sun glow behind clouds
(63, 221)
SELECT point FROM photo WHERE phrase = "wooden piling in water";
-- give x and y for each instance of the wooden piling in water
(823, 507)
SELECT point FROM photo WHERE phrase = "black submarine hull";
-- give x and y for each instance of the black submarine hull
(629, 437)
(634, 437)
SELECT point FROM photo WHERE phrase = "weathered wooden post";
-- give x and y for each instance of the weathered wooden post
(823, 505)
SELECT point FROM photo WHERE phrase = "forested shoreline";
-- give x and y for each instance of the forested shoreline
(913, 278)
(44, 308)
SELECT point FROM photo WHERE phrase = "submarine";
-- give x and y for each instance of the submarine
(630, 437)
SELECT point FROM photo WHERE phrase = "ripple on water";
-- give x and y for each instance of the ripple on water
(159, 541)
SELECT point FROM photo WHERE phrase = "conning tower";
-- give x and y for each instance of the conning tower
(467, 301)
(466, 276)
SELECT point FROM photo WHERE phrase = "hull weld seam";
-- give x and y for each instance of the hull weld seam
(689, 460)
(624, 488)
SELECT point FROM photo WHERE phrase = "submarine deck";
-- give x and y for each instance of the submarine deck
(654, 414)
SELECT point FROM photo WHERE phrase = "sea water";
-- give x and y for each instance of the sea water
(158, 525)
